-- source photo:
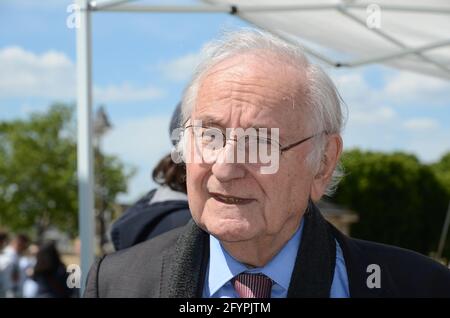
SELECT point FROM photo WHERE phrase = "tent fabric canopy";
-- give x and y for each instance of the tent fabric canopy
(411, 37)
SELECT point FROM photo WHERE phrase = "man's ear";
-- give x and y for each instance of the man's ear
(328, 162)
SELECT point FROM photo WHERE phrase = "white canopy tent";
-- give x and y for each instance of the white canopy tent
(338, 33)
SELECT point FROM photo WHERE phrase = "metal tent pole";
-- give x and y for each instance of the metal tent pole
(387, 57)
(85, 156)
(444, 233)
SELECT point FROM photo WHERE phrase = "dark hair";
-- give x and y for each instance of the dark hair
(23, 238)
(3, 236)
(47, 260)
(3, 239)
(171, 174)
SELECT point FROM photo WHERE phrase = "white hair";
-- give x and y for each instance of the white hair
(322, 97)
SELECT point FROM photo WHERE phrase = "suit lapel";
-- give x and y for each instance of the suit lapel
(184, 269)
(316, 258)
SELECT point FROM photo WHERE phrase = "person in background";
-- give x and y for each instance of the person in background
(3, 240)
(3, 243)
(27, 264)
(50, 274)
(10, 266)
(160, 210)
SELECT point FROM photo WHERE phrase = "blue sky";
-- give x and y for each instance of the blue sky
(141, 62)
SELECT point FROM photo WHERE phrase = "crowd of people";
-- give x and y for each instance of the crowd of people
(30, 270)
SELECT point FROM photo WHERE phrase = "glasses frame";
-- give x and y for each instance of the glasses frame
(281, 148)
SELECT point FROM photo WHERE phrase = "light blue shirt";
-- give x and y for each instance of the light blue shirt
(223, 267)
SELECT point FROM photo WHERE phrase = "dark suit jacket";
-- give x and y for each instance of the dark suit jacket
(174, 265)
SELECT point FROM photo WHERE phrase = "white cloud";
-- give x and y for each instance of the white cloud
(52, 75)
(374, 116)
(352, 86)
(181, 68)
(23, 73)
(420, 124)
(380, 118)
(429, 147)
(411, 87)
(364, 103)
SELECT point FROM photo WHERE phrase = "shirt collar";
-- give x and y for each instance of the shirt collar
(223, 267)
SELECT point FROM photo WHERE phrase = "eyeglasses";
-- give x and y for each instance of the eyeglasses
(211, 139)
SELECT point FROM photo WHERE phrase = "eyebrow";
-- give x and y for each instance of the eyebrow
(269, 131)
(215, 121)
(208, 119)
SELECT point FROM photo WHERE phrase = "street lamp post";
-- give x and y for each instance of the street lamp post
(101, 126)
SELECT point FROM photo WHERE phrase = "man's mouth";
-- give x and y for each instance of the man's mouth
(230, 199)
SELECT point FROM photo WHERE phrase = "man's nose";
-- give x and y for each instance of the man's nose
(225, 167)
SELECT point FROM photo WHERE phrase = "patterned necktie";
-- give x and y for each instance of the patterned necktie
(252, 285)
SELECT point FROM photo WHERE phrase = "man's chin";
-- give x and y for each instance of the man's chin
(231, 231)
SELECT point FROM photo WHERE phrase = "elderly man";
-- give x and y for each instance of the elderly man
(261, 141)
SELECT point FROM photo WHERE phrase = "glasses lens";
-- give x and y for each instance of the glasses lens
(250, 148)
(254, 148)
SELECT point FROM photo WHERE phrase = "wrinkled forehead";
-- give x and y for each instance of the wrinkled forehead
(264, 89)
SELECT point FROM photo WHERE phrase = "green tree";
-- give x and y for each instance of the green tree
(399, 200)
(442, 170)
(110, 180)
(38, 182)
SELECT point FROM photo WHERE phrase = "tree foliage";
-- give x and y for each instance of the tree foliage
(399, 200)
(442, 170)
(38, 182)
